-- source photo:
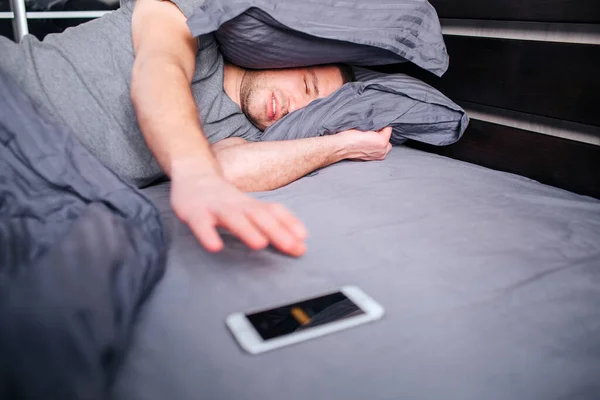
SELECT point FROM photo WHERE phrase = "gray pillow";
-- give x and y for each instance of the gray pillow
(414, 109)
(263, 34)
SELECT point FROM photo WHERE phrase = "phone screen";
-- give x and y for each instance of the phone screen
(303, 315)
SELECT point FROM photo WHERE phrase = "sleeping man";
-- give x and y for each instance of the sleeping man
(148, 99)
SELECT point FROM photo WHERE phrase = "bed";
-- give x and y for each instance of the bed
(485, 256)
(490, 283)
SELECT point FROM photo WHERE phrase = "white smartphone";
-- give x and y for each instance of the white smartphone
(265, 330)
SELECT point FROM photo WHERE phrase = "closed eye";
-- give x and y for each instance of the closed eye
(315, 81)
(306, 86)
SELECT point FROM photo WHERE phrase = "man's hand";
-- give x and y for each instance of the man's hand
(206, 201)
(367, 146)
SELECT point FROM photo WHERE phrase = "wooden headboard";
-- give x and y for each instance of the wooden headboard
(528, 74)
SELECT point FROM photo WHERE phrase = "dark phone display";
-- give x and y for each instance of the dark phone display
(303, 315)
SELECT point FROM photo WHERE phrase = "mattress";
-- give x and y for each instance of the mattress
(490, 282)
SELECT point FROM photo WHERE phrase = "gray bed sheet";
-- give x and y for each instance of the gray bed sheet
(490, 281)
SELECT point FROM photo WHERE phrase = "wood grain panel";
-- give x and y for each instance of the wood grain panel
(557, 80)
(578, 11)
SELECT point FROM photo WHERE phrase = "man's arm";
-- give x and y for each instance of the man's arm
(165, 107)
(165, 54)
(260, 166)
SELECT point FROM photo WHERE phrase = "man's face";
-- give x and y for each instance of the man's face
(267, 96)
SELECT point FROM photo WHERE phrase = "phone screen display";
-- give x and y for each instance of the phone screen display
(303, 315)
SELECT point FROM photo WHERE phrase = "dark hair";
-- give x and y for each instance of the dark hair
(347, 72)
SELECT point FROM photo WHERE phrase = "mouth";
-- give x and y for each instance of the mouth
(272, 107)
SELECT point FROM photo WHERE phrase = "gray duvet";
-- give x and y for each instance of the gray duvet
(490, 281)
(80, 251)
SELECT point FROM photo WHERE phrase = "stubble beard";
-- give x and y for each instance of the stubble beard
(250, 85)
